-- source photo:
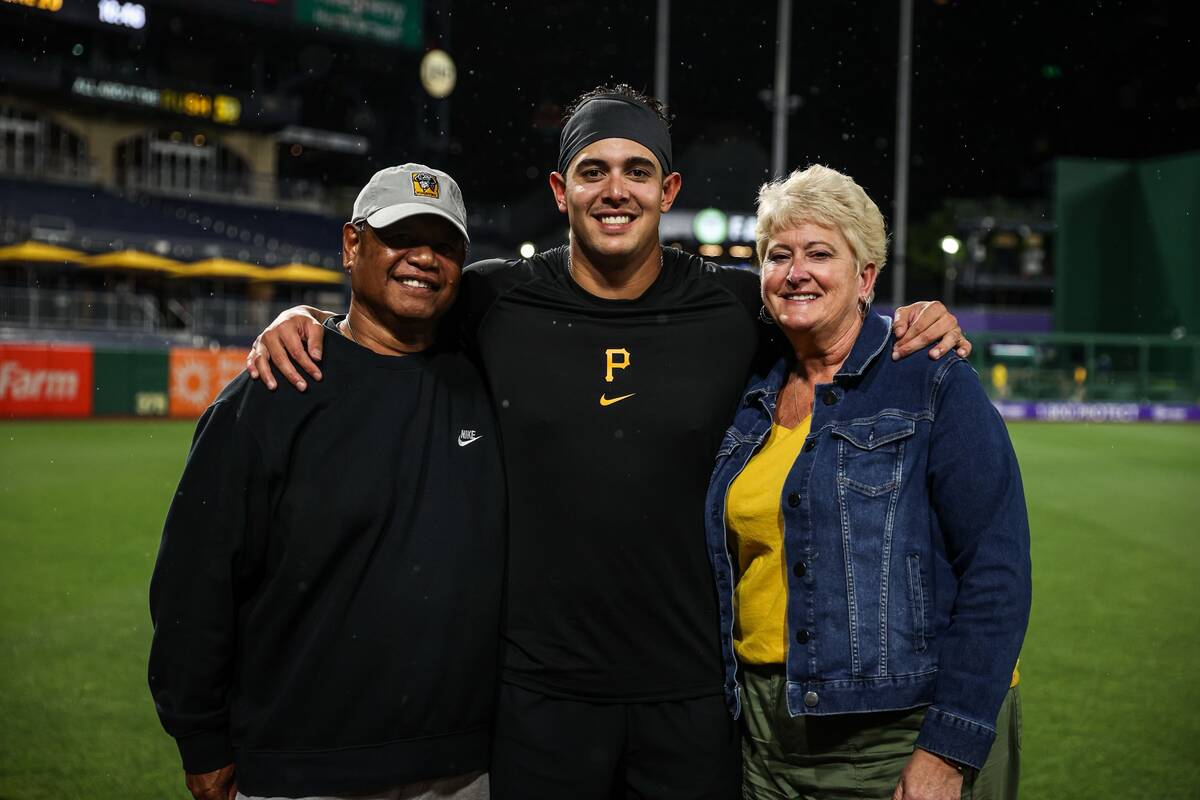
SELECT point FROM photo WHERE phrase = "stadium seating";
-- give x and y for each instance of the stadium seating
(93, 217)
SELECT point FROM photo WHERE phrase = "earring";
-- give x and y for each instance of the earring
(765, 317)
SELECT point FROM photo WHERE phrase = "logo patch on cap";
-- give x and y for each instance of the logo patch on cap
(425, 185)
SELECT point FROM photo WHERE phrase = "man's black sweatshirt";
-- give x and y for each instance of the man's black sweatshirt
(327, 594)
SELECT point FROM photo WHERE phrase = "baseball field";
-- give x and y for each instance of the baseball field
(1110, 670)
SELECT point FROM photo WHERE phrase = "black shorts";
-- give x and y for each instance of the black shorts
(547, 748)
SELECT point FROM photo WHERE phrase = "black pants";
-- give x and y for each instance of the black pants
(547, 748)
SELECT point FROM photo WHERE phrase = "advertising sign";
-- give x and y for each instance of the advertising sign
(113, 14)
(198, 376)
(129, 382)
(221, 108)
(40, 380)
(1065, 411)
(395, 22)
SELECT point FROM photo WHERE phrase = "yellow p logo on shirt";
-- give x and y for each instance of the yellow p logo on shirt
(611, 363)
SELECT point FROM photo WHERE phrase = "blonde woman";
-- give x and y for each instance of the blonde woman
(867, 530)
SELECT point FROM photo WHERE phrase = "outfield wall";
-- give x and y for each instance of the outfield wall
(1127, 245)
(1097, 412)
(54, 380)
(72, 381)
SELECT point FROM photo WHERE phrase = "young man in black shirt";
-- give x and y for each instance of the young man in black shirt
(326, 597)
(615, 365)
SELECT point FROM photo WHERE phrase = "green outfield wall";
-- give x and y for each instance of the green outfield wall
(130, 383)
(1127, 249)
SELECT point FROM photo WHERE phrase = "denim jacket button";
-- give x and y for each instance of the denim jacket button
(829, 398)
(799, 569)
(802, 636)
(809, 445)
(793, 500)
(811, 699)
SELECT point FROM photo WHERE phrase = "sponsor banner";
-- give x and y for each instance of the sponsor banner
(41, 380)
(222, 108)
(130, 383)
(394, 22)
(1097, 412)
(198, 376)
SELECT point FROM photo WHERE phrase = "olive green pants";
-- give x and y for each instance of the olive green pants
(852, 755)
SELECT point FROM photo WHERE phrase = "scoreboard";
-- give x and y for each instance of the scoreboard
(395, 23)
(113, 14)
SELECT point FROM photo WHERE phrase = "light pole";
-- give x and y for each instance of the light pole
(950, 246)
(661, 50)
(783, 57)
(903, 112)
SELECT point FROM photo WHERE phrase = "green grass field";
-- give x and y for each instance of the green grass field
(1110, 671)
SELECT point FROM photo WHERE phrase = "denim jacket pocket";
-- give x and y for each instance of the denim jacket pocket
(917, 600)
(871, 454)
(870, 460)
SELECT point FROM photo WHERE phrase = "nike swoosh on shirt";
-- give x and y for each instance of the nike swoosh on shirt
(608, 401)
(465, 442)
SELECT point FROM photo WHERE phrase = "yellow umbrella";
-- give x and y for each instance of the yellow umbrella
(135, 260)
(221, 268)
(40, 251)
(303, 273)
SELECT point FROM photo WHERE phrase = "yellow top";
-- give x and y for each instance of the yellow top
(754, 517)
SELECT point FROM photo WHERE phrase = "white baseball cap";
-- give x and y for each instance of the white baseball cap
(396, 193)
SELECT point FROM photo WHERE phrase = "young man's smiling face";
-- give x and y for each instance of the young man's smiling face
(613, 194)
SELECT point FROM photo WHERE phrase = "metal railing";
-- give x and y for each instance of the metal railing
(79, 309)
(1088, 367)
(231, 318)
(119, 311)
(244, 188)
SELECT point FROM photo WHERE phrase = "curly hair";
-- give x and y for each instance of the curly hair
(621, 90)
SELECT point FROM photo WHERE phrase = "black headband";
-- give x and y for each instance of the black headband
(613, 116)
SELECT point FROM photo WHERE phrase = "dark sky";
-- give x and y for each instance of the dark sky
(999, 89)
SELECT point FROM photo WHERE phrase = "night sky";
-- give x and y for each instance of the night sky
(999, 90)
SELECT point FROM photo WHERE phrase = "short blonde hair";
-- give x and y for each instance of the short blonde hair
(827, 197)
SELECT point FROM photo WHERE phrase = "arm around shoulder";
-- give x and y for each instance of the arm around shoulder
(296, 335)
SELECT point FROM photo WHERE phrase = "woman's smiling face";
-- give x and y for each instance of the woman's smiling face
(810, 284)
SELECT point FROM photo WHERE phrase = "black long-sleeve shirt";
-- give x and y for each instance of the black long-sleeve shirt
(326, 597)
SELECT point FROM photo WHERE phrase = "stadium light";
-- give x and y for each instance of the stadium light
(950, 245)
(527, 250)
(710, 226)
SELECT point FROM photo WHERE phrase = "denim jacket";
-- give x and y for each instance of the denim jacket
(906, 545)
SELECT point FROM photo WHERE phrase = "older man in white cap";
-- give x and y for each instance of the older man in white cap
(326, 598)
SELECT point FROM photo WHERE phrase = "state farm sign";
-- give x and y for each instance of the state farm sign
(45, 381)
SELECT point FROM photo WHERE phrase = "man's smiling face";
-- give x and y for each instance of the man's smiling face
(613, 195)
(409, 270)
